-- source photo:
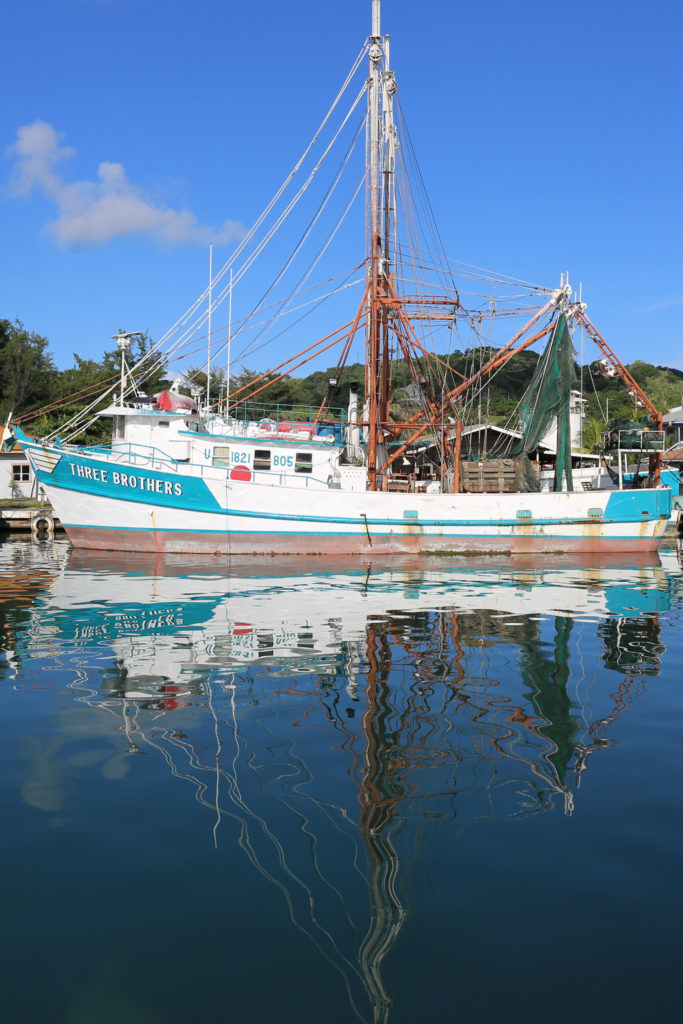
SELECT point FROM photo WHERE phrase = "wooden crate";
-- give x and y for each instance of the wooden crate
(488, 476)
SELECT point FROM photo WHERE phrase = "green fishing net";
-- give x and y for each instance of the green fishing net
(547, 398)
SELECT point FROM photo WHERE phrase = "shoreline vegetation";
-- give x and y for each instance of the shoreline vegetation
(41, 397)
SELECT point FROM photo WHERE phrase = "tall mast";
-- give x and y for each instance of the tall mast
(208, 347)
(380, 142)
(227, 375)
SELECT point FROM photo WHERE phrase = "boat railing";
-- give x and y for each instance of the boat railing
(632, 440)
(138, 455)
(281, 419)
(147, 457)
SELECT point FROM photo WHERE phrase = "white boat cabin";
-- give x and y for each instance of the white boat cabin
(267, 452)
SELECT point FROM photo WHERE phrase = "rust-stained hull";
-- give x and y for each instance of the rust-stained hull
(99, 538)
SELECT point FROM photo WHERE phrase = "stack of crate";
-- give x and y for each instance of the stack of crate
(488, 476)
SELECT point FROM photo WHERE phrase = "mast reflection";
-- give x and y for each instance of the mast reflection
(331, 723)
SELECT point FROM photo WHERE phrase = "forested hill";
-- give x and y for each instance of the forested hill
(33, 389)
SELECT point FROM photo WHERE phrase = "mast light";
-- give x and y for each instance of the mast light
(124, 338)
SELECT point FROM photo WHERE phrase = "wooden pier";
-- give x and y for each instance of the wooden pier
(38, 519)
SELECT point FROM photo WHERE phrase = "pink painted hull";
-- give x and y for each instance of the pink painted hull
(176, 542)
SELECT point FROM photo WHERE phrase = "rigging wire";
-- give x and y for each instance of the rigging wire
(426, 268)
(162, 351)
(274, 200)
(313, 221)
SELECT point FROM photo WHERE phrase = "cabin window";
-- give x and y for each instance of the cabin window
(21, 473)
(164, 423)
(303, 462)
(221, 456)
(262, 458)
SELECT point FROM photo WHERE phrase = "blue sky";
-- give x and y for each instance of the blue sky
(549, 137)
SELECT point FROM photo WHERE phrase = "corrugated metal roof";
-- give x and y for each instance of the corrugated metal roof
(674, 454)
(674, 415)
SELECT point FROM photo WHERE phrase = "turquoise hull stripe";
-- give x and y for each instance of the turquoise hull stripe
(631, 505)
(634, 517)
(157, 490)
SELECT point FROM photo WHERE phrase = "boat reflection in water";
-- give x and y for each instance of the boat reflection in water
(333, 724)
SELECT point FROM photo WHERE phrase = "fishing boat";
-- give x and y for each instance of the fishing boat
(375, 477)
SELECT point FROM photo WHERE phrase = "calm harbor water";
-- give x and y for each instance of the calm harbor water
(270, 791)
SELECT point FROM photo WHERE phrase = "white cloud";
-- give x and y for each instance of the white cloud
(92, 212)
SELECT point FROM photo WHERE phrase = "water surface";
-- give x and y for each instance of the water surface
(268, 790)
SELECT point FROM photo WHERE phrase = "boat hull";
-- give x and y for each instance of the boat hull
(109, 505)
(189, 542)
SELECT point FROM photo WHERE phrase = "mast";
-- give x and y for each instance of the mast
(380, 146)
(208, 347)
(227, 375)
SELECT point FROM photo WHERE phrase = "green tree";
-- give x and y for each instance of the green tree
(195, 378)
(86, 385)
(27, 372)
(591, 433)
(662, 385)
